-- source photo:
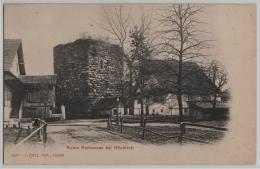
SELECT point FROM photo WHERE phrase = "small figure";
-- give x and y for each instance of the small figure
(28, 130)
(63, 112)
(36, 124)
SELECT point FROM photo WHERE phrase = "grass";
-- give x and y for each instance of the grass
(14, 135)
(203, 134)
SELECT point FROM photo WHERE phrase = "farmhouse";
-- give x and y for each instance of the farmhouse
(160, 93)
(13, 87)
(203, 111)
(110, 106)
(39, 99)
(18, 87)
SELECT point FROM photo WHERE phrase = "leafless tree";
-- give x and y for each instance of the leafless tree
(218, 79)
(117, 23)
(180, 40)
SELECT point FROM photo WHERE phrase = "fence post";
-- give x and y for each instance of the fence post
(144, 124)
(28, 130)
(182, 131)
(44, 134)
(117, 119)
(184, 128)
(108, 123)
(121, 124)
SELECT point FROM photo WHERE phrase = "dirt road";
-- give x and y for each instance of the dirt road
(82, 132)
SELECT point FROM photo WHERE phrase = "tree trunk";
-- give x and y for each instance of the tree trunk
(214, 103)
(179, 99)
(179, 78)
(147, 110)
(131, 101)
(125, 109)
(142, 102)
(142, 112)
(131, 106)
(179, 89)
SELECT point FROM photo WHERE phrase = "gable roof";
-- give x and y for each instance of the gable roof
(207, 105)
(11, 48)
(44, 79)
(194, 81)
(108, 103)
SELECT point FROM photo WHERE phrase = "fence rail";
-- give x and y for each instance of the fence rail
(205, 126)
(183, 130)
(149, 118)
(41, 131)
(144, 130)
(181, 135)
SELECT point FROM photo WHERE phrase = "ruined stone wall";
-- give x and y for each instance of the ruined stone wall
(104, 72)
(87, 70)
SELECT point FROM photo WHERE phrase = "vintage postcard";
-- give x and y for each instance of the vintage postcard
(129, 84)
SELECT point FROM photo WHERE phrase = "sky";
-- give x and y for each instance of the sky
(43, 26)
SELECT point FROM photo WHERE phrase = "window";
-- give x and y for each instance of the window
(33, 97)
(92, 52)
(161, 110)
(8, 97)
(29, 112)
(101, 64)
(115, 112)
(158, 99)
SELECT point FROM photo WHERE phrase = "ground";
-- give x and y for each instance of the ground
(70, 132)
(82, 132)
(167, 133)
(94, 131)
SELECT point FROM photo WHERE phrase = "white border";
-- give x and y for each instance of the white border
(135, 1)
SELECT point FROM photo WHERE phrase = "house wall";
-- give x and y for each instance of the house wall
(119, 111)
(15, 66)
(8, 94)
(87, 70)
(21, 107)
(164, 105)
(12, 105)
(38, 102)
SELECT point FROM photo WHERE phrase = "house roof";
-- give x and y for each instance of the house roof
(44, 79)
(11, 80)
(207, 105)
(107, 103)
(11, 48)
(225, 95)
(162, 75)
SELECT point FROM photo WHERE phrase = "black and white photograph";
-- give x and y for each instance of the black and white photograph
(129, 83)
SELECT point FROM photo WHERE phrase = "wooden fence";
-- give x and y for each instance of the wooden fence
(144, 129)
(119, 122)
(183, 131)
(40, 132)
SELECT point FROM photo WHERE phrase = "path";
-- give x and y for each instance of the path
(91, 131)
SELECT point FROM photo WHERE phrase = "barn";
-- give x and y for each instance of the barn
(19, 88)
